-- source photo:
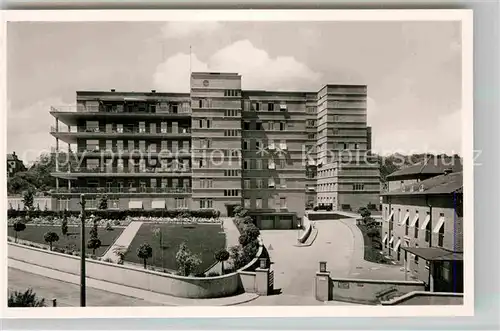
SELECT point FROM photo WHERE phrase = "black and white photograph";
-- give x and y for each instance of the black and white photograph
(254, 162)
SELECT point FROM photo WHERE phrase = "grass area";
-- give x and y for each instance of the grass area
(202, 239)
(35, 234)
(372, 247)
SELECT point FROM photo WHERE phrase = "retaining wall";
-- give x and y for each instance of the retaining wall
(185, 287)
(426, 298)
(368, 291)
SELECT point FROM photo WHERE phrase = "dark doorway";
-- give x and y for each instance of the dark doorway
(230, 210)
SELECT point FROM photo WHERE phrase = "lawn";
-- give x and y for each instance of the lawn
(202, 239)
(35, 234)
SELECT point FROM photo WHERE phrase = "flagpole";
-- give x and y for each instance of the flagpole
(190, 62)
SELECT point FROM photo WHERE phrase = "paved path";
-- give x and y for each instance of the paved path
(124, 240)
(231, 231)
(337, 243)
(151, 297)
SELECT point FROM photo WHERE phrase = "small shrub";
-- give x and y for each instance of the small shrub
(116, 222)
(315, 208)
(109, 227)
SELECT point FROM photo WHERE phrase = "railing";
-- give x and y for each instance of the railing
(119, 170)
(125, 129)
(123, 190)
(165, 152)
(102, 109)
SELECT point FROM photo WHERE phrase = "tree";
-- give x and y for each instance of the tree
(236, 255)
(244, 239)
(252, 231)
(25, 299)
(159, 235)
(50, 238)
(28, 200)
(64, 225)
(103, 203)
(144, 252)
(94, 234)
(364, 212)
(186, 260)
(18, 226)
(93, 244)
(222, 255)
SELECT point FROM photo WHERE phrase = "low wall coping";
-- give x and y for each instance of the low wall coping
(124, 266)
(249, 273)
(377, 281)
(421, 293)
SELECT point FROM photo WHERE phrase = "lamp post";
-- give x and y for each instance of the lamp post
(82, 254)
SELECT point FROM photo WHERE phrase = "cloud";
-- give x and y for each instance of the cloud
(180, 30)
(28, 129)
(258, 69)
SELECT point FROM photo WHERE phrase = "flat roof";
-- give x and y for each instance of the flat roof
(434, 253)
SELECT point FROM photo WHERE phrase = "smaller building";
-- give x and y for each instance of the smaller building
(423, 230)
(14, 165)
(433, 165)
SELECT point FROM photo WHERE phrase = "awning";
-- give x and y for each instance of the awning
(439, 224)
(385, 238)
(135, 204)
(392, 239)
(414, 221)
(398, 243)
(434, 253)
(158, 204)
(405, 219)
(426, 221)
(390, 216)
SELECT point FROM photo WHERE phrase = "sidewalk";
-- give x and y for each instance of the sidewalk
(232, 233)
(148, 296)
(123, 240)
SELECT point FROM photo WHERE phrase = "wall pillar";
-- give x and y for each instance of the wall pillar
(431, 276)
(57, 154)
(322, 286)
(262, 281)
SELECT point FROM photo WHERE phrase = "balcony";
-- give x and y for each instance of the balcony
(70, 136)
(120, 190)
(136, 153)
(136, 171)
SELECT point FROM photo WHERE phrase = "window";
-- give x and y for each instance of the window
(92, 164)
(257, 106)
(358, 187)
(206, 203)
(246, 145)
(416, 260)
(246, 183)
(231, 173)
(230, 112)
(202, 163)
(142, 127)
(283, 203)
(270, 106)
(258, 203)
(247, 203)
(258, 164)
(259, 183)
(63, 204)
(441, 235)
(311, 136)
(246, 125)
(270, 182)
(231, 193)
(427, 232)
(230, 133)
(282, 126)
(93, 145)
(259, 126)
(270, 125)
(180, 203)
(282, 164)
(283, 183)
(415, 234)
(258, 144)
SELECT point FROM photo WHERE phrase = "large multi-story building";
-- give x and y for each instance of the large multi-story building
(219, 146)
(423, 229)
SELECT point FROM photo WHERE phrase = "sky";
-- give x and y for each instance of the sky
(412, 70)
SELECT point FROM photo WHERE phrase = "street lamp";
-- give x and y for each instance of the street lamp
(82, 254)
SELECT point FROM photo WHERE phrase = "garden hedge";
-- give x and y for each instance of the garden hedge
(118, 214)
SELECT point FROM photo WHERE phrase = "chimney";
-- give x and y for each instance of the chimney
(112, 90)
(14, 154)
(153, 91)
(448, 171)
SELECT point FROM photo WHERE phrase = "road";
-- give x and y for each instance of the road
(68, 294)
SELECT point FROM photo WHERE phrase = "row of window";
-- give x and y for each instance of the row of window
(206, 203)
(259, 183)
(232, 173)
(269, 106)
(132, 145)
(93, 203)
(154, 182)
(232, 93)
(260, 164)
(260, 144)
(231, 193)
(258, 203)
(141, 127)
(267, 125)
(414, 223)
